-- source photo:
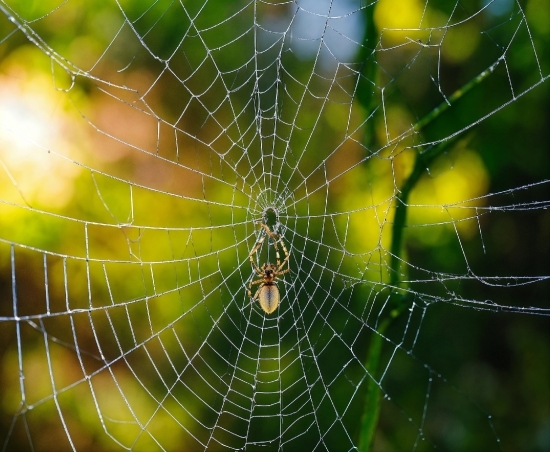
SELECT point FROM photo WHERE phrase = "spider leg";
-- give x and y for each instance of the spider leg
(257, 294)
(252, 283)
(287, 255)
(254, 251)
(277, 238)
(279, 273)
(277, 253)
(285, 261)
(271, 234)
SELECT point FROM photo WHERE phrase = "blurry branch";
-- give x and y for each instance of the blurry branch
(368, 72)
(399, 300)
(371, 411)
(441, 108)
(423, 160)
(421, 164)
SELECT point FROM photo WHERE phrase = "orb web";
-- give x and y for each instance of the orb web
(142, 143)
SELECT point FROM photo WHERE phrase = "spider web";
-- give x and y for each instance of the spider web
(142, 143)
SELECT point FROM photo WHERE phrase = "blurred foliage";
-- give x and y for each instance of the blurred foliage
(89, 141)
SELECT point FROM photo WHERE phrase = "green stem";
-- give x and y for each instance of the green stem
(441, 108)
(422, 162)
(369, 420)
(398, 302)
(366, 82)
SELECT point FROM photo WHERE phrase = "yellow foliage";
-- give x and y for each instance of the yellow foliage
(398, 14)
(460, 42)
(37, 133)
(450, 197)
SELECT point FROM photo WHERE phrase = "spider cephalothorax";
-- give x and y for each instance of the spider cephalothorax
(268, 292)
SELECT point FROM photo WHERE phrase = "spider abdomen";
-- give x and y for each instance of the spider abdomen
(269, 297)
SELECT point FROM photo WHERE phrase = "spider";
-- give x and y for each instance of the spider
(268, 292)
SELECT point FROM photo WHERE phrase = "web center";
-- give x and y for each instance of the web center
(271, 217)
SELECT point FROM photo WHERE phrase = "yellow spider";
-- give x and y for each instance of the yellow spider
(268, 292)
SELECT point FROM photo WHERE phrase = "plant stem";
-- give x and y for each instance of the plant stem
(366, 82)
(443, 106)
(398, 301)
